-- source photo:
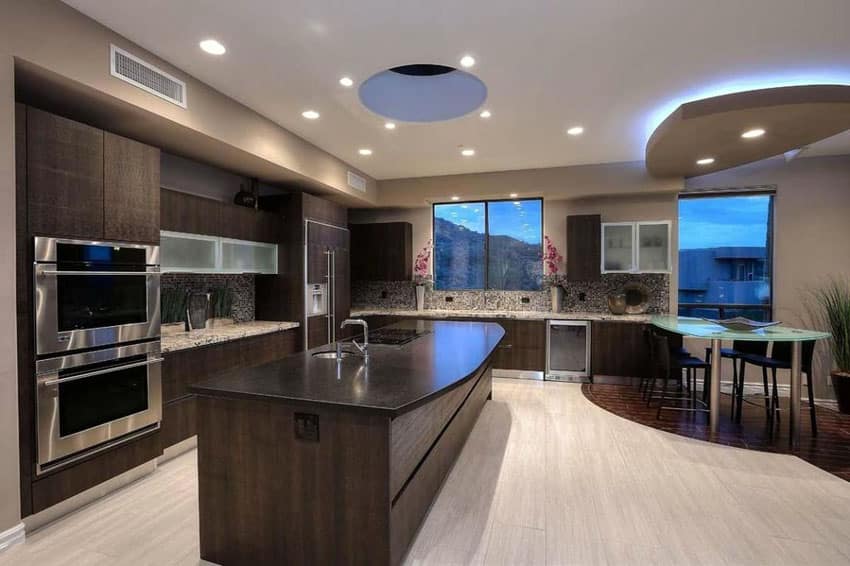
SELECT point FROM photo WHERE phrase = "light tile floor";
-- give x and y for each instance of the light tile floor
(545, 478)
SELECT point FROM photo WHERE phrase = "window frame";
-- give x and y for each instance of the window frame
(764, 190)
(486, 202)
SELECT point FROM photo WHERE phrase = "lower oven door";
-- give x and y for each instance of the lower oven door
(94, 399)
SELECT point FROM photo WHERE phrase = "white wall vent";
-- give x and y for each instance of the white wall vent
(139, 73)
(357, 182)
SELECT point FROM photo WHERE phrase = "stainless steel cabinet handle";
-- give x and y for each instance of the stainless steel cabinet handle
(101, 372)
(145, 273)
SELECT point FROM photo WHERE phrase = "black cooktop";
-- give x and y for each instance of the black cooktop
(395, 336)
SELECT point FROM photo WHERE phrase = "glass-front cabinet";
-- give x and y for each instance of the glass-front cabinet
(240, 256)
(636, 247)
(188, 253)
(196, 253)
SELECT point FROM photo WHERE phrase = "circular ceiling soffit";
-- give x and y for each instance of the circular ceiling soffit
(743, 127)
(423, 93)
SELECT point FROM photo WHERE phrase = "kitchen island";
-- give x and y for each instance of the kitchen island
(307, 460)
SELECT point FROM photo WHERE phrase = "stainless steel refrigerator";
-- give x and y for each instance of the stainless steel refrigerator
(327, 282)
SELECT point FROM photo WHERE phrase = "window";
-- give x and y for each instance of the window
(725, 244)
(488, 245)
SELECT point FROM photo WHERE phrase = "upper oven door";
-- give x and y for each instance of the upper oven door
(84, 400)
(90, 294)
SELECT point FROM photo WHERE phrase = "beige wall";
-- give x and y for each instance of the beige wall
(57, 38)
(811, 231)
(552, 183)
(10, 511)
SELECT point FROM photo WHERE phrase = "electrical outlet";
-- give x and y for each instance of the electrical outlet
(307, 427)
(525, 300)
(450, 299)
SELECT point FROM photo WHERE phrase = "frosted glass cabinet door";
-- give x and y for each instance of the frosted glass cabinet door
(617, 247)
(238, 256)
(653, 246)
(188, 253)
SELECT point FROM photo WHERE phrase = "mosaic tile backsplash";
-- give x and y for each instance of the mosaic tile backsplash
(241, 285)
(578, 297)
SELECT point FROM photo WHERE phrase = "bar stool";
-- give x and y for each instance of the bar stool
(738, 349)
(668, 365)
(780, 358)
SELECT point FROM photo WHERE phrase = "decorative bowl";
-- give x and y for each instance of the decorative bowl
(741, 324)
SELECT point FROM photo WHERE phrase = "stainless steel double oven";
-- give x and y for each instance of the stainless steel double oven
(97, 327)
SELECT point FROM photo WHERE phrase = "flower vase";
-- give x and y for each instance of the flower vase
(420, 297)
(557, 297)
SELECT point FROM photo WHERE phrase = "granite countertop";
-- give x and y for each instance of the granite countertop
(519, 315)
(206, 336)
(396, 379)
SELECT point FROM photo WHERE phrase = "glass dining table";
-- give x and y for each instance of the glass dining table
(699, 328)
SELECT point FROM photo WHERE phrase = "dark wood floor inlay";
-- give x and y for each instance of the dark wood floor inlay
(830, 450)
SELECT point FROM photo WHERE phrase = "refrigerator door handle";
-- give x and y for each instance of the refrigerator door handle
(329, 255)
(332, 285)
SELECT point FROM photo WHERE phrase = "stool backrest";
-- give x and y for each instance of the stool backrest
(750, 347)
(782, 352)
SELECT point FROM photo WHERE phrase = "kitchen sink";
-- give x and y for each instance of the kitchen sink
(332, 355)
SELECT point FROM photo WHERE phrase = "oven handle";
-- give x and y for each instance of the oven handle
(50, 382)
(146, 273)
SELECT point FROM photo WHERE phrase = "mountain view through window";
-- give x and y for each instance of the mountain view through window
(492, 245)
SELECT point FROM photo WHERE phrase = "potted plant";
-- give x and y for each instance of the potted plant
(833, 301)
(552, 259)
(422, 274)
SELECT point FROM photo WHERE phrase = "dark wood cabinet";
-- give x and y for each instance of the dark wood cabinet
(529, 345)
(183, 368)
(67, 482)
(523, 347)
(382, 251)
(130, 190)
(179, 421)
(618, 349)
(181, 212)
(281, 297)
(584, 241)
(64, 176)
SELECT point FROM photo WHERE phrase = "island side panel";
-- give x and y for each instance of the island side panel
(413, 433)
(266, 497)
(412, 504)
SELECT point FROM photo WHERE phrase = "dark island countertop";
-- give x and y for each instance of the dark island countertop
(395, 380)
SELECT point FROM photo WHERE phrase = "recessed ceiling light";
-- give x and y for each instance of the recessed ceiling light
(485, 114)
(390, 125)
(346, 81)
(575, 131)
(467, 61)
(754, 133)
(514, 195)
(213, 47)
(364, 151)
(455, 198)
(705, 161)
(310, 114)
(468, 152)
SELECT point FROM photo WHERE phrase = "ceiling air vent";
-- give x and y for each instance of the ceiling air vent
(142, 74)
(357, 182)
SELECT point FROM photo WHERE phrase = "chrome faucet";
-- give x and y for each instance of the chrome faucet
(362, 348)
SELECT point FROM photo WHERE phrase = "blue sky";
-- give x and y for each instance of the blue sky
(520, 219)
(723, 221)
